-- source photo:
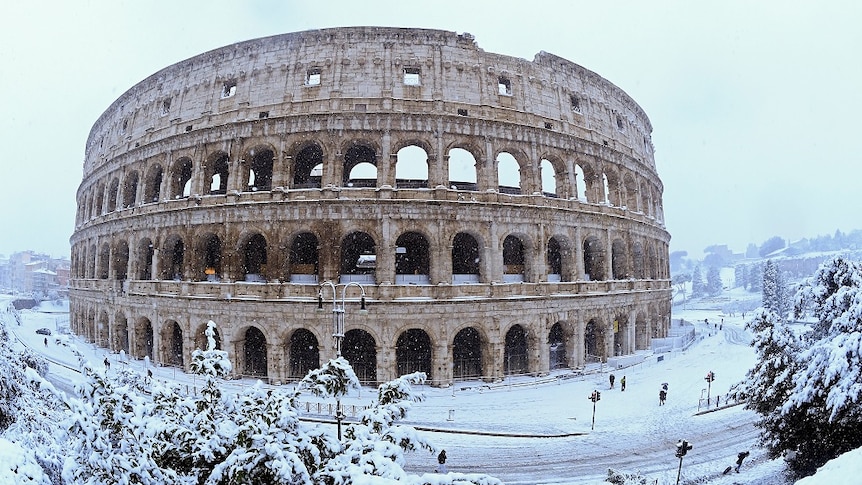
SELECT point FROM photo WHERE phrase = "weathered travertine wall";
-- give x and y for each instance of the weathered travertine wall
(501, 215)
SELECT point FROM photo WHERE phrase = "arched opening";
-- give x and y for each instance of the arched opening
(254, 259)
(121, 260)
(638, 266)
(557, 347)
(130, 189)
(112, 194)
(642, 340)
(104, 261)
(467, 354)
(172, 259)
(358, 258)
(508, 174)
(258, 171)
(594, 259)
(181, 178)
(612, 189)
(210, 265)
(619, 260)
(144, 344)
(153, 184)
(513, 260)
(145, 259)
(412, 259)
(462, 170)
(515, 351)
(91, 262)
(360, 167)
(303, 259)
(304, 353)
(465, 259)
(413, 352)
(102, 330)
(121, 333)
(652, 262)
(632, 196)
(555, 261)
(580, 184)
(411, 168)
(594, 342)
(174, 344)
(216, 173)
(201, 341)
(549, 178)
(255, 353)
(621, 334)
(360, 350)
(308, 168)
(99, 202)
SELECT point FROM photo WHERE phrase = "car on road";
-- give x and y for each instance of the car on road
(44, 331)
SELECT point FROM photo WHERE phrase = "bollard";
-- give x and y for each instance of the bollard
(451, 415)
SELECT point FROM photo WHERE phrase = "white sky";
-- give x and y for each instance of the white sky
(754, 105)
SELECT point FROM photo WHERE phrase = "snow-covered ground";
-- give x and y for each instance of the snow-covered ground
(528, 430)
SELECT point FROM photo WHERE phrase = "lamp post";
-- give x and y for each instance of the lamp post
(338, 327)
(595, 396)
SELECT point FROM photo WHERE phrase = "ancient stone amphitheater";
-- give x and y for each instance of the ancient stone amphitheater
(500, 216)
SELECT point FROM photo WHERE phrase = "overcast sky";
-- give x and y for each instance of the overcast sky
(755, 105)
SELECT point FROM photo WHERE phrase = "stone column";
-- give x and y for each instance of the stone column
(441, 363)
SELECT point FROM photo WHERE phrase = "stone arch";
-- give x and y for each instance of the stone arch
(466, 259)
(594, 341)
(612, 187)
(99, 201)
(619, 260)
(303, 259)
(594, 259)
(557, 358)
(621, 334)
(462, 169)
(358, 258)
(153, 184)
(201, 337)
(510, 174)
(172, 343)
(554, 258)
(146, 250)
(210, 257)
(411, 167)
(130, 189)
(360, 349)
(308, 166)
(254, 350)
(303, 353)
(412, 259)
(515, 351)
(642, 336)
(144, 341)
(253, 263)
(593, 190)
(467, 354)
(120, 259)
(257, 169)
(548, 174)
(181, 178)
(121, 333)
(104, 261)
(413, 353)
(652, 262)
(514, 259)
(360, 165)
(113, 190)
(638, 263)
(216, 172)
(102, 326)
(631, 192)
(172, 258)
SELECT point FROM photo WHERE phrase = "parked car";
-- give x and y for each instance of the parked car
(44, 331)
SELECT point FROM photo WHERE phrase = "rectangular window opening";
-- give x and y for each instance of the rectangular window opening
(263, 115)
(125, 125)
(576, 104)
(462, 112)
(411, 76)
(229, 89)
(619, 123)
(166, 107)
(312, 77)
(504, 86)
(188, 128)
(549, 126)
(359, 107)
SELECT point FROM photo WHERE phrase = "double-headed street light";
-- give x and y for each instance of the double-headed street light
(338, 327)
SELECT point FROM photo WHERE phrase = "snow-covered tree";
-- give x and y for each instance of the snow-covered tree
(698, 287)
(775, 295)
(809, 387)
(713, 281)
(740, 276)
(755, 277)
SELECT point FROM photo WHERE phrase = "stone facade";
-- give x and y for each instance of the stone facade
(500, 216)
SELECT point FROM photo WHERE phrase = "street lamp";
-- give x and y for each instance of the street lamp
(338, 327)
(595, 396)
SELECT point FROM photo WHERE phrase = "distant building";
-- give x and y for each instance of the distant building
(40, 275)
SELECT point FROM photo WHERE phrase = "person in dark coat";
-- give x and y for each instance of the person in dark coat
(739, 459)
(441, 460)
(107, 363)
(611, 378)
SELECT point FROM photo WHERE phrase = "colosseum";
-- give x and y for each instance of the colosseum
(398, 195)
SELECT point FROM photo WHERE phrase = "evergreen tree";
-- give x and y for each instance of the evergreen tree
(755, 278)
(740, 276)
(713, 281)
(775, 296)
(698, 287)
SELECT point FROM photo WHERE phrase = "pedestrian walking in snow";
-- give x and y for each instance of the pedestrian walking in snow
(611, 378)
(150, 373)
(107, 364)
(739, 459)
(623, 384)
(441, 460)
(46, 341)
(662, 394)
